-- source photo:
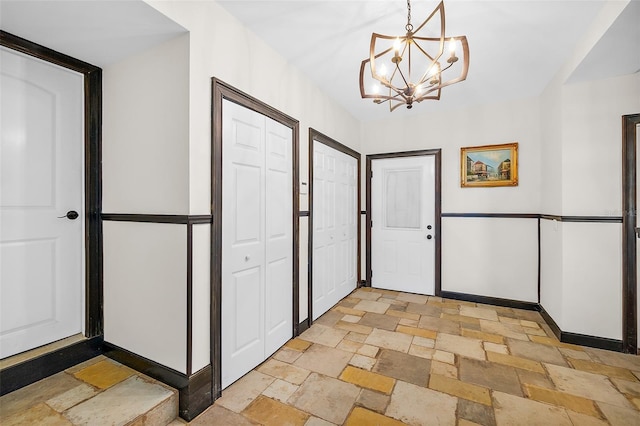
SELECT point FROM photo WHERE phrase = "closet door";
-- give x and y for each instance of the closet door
(278, 238)
(335, 219)
(257, 244)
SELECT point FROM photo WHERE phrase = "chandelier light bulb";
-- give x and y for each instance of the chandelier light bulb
(396, 46)
(383, 70)
(452, 47)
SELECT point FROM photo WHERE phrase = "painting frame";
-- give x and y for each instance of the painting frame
(489, 165)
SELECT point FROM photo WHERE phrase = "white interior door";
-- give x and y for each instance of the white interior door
(41, 178)
(403, 231)
(335, 226)
(257, 242)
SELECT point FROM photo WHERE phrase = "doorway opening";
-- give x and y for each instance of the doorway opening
(412, 221)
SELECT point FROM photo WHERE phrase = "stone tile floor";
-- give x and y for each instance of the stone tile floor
(387, 358)
(97, 392)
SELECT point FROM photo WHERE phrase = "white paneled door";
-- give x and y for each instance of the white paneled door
(403, 231)
(257, 240)
(41, 179)
(335, 227)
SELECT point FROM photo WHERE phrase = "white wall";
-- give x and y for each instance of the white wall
(146, 171)
(145, 296)
(493, 257)
(592, 144)
(145, 147)
(581, 262)
(592, 279)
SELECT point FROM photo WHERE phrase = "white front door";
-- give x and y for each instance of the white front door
(257, 241)
(41, 178)
(403, 231)
(335, 227)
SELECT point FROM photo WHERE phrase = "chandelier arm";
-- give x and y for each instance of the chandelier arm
(439, 8)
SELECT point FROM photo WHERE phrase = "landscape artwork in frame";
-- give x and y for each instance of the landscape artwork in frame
(489, 165)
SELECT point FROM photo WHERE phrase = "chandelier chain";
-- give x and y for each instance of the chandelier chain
(409, 27)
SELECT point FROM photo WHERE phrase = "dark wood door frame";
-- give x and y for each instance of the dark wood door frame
(437, 153)
(315, 135)
(220, 91)
(59, 360)
(629, 237)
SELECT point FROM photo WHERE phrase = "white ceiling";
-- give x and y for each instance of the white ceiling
(516, 46)
(99, 32)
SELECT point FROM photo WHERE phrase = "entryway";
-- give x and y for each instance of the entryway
(403, 218)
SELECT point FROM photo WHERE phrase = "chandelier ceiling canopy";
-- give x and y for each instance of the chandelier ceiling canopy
(413, 67)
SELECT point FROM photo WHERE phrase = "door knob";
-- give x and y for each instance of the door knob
(429, 237)
(71, 215)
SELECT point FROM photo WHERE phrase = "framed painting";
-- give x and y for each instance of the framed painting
(489, 165)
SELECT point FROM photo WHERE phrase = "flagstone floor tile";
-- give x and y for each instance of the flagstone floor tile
(372, 400)
(372, 306)
(378, 357)
(588, 385)
(619, 416)
(40, 414)
(475, 412)
(416, 405)
(115, 406)
(323, 360)
(512, 410)
(403, 367)
(237, 396)
(389, 340)
(460, 345)
(325, 397)
(284, 371)
(384, 322)
(280, 390)
(269, 412)
(536, 352)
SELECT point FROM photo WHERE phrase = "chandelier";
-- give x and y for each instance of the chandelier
(405, 69)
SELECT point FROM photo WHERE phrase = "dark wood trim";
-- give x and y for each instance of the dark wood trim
(25, 373)
(304, 213)
(189, 298)
(496, 215)
(591, 341)
(438, 209)
(563, 336)
(158, 218)
(315, 135)
(93, 171)
(304, 326)
(194, 391)
(629, 237)
(597, 219)
(496, 301)
(539, 260)
(551, 323)
(220, 91)
(577, 219)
